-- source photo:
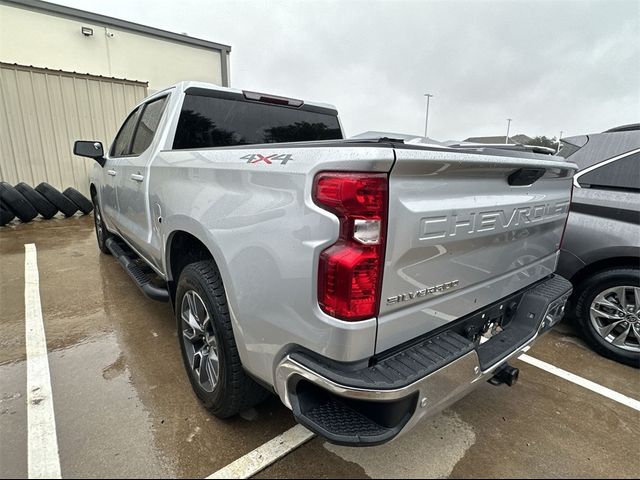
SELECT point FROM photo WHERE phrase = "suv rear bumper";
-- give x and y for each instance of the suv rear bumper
(373, 404)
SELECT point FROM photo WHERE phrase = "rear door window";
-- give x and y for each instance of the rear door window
(215, 122)
(623, 173)
(148, 125)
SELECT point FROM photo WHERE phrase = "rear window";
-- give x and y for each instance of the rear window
(217, 122)
(623, 173)
(567, 149)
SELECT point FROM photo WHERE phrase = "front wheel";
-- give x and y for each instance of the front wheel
(102, 234)
(608, 312)
(209, 350)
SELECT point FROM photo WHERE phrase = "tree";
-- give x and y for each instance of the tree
(543, 141)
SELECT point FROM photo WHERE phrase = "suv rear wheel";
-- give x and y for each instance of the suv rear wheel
(608, 312)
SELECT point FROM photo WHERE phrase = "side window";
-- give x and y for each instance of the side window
(623, 173)
(122, 142)
(148, 124)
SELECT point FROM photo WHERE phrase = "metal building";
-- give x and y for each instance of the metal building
(47, 35)
(44, 111)
(45, 105)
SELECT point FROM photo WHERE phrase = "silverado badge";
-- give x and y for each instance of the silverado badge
(404, 297)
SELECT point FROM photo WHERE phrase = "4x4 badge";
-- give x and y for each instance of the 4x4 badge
(268, 159)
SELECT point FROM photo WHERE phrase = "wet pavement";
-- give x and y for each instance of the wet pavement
(124, 407)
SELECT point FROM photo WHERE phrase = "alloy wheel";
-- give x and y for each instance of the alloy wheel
(200, 342)
(98, 219)
(615, 316)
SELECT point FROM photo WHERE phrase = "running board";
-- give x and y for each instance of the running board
(137, 274)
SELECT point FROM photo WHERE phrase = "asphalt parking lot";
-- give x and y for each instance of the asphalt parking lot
(123, 406)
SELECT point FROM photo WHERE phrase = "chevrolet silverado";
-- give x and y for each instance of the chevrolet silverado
(367, 282)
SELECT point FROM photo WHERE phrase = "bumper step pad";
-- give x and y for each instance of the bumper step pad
(348, 421)
(341, 420)
(356, 422)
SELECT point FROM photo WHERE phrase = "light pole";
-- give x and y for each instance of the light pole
(559, 141)
(506, 139)
(426, 120)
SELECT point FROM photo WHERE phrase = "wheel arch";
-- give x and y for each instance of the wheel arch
(604, 264)
(198, 244)
(185, 246)
(192, 248)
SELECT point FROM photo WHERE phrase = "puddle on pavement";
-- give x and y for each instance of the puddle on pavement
(13, 420)
(102, 423)
(440, 443)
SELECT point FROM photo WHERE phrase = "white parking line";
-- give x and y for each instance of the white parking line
(263, 456)
(583, 382)
(43, 459)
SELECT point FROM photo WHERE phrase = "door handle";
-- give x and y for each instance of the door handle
(137, 177)
(113, 173)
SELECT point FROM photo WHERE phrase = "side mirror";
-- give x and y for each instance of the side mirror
(88, 149)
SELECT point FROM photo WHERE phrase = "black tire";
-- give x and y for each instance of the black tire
(235, 391)
(13, 200)
(102, 234)
(5, 216)
(44, 207)
(586, 293)
(62, 203)
(79, 199)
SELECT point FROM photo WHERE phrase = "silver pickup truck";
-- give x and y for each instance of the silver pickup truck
(368, 283)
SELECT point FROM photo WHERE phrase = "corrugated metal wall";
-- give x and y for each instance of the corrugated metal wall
(42, 112)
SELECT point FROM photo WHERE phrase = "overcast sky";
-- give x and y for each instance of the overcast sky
(551, 66)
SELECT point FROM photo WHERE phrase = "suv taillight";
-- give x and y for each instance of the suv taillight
(350, 270)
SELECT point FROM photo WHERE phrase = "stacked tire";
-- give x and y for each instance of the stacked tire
(14, 202)
(27, 203)
(45, 208)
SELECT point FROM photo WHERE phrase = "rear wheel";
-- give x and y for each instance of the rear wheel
(207, 343)
(608, 312)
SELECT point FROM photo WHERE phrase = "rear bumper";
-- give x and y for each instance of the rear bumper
(374, 404)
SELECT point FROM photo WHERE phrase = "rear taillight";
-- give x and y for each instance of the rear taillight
(350, 270)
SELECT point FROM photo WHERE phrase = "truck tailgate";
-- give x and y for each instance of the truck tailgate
(462, 234)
